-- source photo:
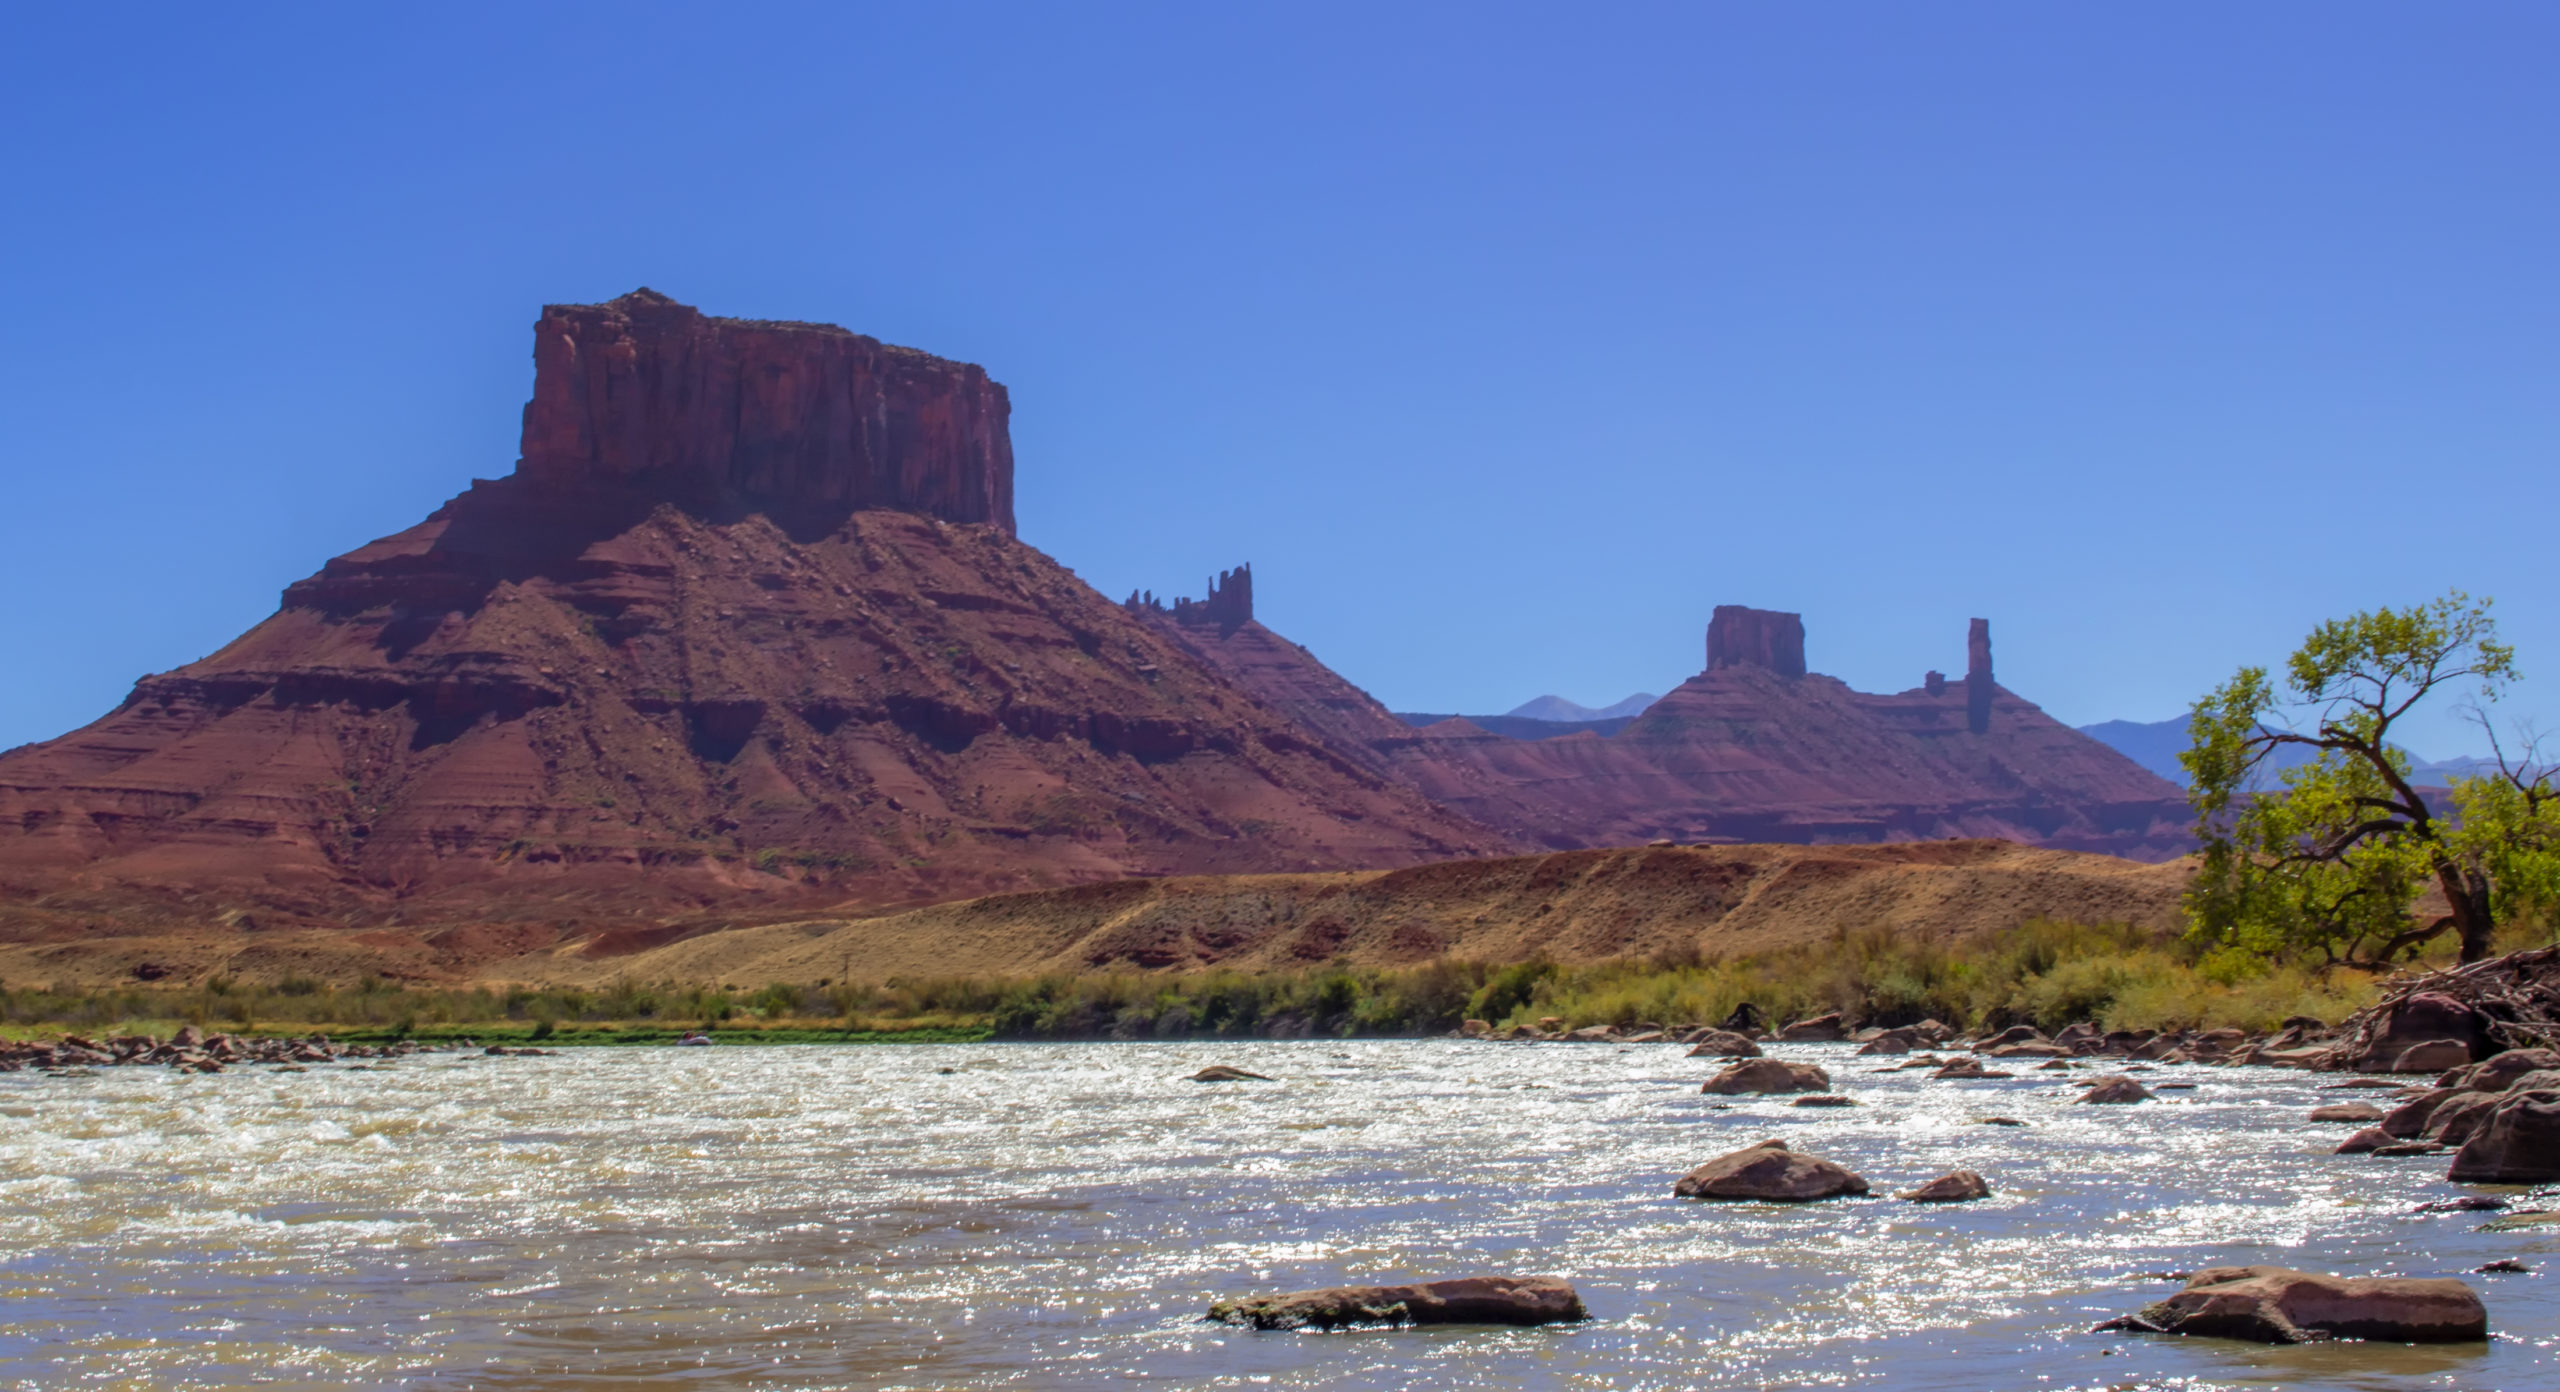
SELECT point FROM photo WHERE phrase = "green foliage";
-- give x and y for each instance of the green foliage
(2332, 859)
(2045, 973)
(2511, 827)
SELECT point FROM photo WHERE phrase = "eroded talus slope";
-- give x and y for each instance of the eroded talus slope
(1571, 906)
(748, 626)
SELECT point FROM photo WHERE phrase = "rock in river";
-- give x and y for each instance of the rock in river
(2503, 1071)
(1955, 1186)
(2364, 1142)
(1468, 1300)
(2519, 1143)
(2115, 1087)
(1716, 1043)
(1768, 1171)
(2277, 1305)
(2352, 1113)
(1768, 1075)
(1220, 1073)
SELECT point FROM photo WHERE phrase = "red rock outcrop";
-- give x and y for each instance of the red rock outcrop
(1738, 636)
(647, 393)
(1228, 607)
(749, 625)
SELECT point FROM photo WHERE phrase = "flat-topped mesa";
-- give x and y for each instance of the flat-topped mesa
(647, 393)
(1977, 677)
(1228, 607)
(1743, 637)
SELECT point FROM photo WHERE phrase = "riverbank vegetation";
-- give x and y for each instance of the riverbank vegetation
(2316, 837)
(2047, 974)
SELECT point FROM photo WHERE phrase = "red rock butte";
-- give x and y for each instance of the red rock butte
(748, 632)
(748, 625)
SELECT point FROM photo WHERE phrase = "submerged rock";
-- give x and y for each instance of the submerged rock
(1955, 1186)
(1220, 1073)
(1468, 1300)
(1768, 1075)
(2278, 1305)
(1768, 1171)
(2468, 1203)
(1823, 1099)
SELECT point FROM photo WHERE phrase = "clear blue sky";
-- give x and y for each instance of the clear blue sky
(1505, 341)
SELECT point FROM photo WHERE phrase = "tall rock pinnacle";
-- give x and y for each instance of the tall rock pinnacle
(647, 393)
(1977, 677)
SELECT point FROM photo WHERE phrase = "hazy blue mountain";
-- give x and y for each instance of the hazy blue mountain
(2157, 744)
(1558, 708)
(1522, 727)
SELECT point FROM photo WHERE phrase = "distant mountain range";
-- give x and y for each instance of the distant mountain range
(2157, 744)
(1558, 708)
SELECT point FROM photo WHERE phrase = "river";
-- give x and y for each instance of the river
(1058, 1216)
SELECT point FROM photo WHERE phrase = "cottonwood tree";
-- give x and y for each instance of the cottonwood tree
(2332, 854)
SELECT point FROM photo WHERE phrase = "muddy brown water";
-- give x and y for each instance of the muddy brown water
(1058, 1216)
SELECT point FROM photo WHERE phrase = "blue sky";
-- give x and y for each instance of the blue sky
(1505, 341)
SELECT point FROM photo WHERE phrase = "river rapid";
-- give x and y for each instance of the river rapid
(1059, 1216)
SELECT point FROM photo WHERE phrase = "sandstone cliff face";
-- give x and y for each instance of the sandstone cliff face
(647, 393)
(687, 657)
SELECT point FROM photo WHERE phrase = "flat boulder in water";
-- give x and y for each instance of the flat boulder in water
(1468, 1300)
(2278, 1305)
(2351, 1113)
(1768, 1171)
(1220, 1073)
(1768, 1075)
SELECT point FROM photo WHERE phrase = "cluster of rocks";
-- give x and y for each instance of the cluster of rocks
(194, 1051)
(2500, 1117)
(2303, 1042)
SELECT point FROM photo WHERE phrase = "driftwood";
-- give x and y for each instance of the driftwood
(2519, 994)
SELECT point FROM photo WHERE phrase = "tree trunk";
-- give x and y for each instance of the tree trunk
(2466, 892)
